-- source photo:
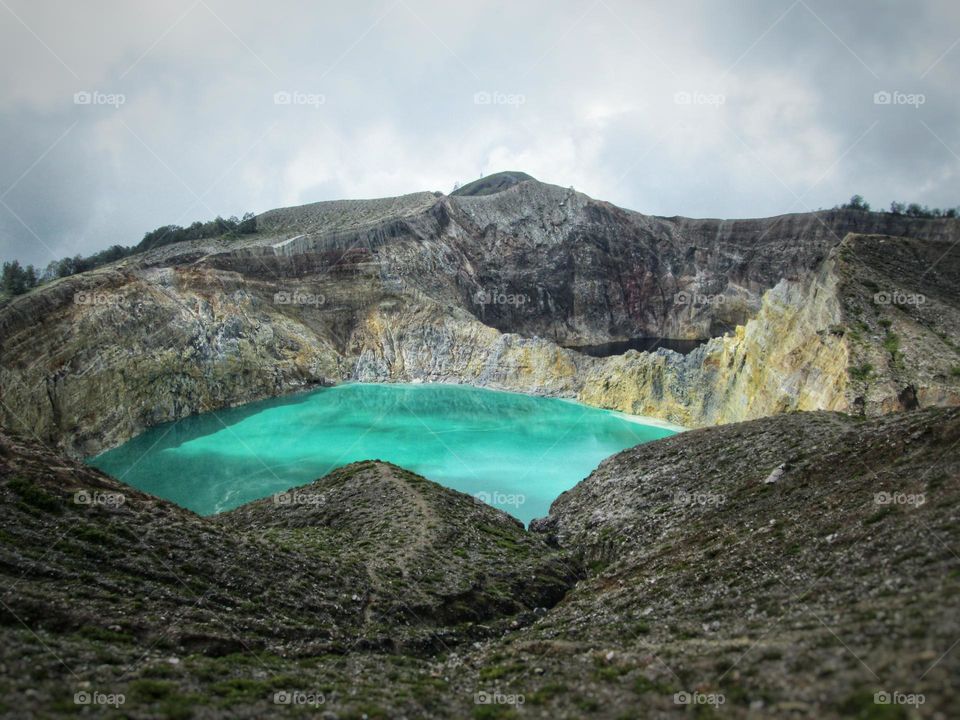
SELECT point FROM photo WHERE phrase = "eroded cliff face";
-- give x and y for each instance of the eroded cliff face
(802, 351)
(96, 359)
(590, 271)
(782, 360)
(485, 290)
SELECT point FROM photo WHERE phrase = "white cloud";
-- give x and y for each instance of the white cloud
(599, 111)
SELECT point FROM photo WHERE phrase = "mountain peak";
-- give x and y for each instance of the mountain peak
(491, 184)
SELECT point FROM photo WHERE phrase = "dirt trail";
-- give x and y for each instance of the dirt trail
(417, 520)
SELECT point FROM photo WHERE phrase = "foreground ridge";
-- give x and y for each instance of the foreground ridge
(795, 564)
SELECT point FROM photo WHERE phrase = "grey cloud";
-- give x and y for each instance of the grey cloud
(597, 107)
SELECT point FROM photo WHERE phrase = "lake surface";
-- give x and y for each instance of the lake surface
(514, 451)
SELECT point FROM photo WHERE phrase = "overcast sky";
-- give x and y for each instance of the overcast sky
(121, 116)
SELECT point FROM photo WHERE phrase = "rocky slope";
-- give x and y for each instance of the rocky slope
(797, 565)
(487, 288)
(793, 566)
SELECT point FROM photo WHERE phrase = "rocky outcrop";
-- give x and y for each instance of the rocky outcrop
(433, 557)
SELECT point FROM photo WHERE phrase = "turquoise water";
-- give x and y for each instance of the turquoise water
(514, 451)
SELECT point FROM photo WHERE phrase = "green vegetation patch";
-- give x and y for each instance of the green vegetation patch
(34, 496)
